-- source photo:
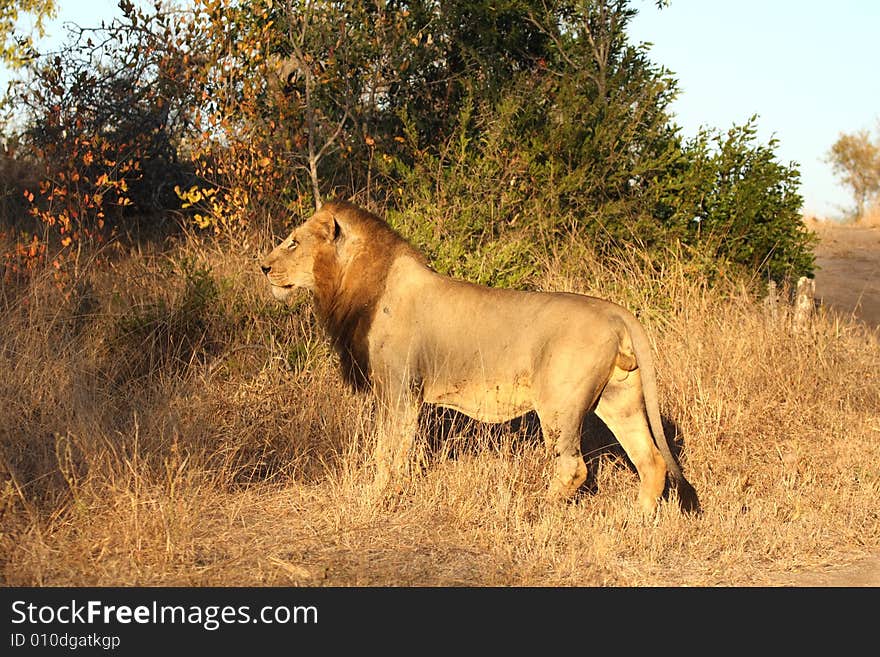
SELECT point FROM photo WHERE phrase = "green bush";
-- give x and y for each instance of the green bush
(588, 151)
(735, 202)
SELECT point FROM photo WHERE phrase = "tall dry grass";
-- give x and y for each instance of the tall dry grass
(169, 424)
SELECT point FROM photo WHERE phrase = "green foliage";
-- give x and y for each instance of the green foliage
(587, 150)
(734, 202)
(575, 146)
(468, 205)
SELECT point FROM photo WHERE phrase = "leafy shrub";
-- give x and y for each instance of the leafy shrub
(102, 119)
(734, 202)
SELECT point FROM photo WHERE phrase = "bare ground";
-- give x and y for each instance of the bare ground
(848, 277)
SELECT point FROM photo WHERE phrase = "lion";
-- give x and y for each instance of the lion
(412, 335)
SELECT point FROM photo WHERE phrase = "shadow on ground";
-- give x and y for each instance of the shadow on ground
(450, 433)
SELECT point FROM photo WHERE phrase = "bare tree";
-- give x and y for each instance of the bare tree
(303, 71)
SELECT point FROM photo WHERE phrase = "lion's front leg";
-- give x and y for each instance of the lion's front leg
(396, 430)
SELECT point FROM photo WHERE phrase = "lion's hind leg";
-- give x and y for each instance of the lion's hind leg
(621, 407)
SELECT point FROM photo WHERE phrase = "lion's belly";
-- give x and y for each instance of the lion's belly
(484, 402)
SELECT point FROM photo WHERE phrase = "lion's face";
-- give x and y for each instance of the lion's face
(291, 264)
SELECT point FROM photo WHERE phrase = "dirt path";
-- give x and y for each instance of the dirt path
(848, 274)
(847, 280)
(862, 572)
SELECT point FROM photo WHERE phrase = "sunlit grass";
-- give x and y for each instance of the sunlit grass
(155, 432)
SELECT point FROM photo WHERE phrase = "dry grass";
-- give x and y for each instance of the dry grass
(170, 425)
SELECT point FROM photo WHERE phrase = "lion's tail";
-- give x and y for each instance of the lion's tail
(644, 358)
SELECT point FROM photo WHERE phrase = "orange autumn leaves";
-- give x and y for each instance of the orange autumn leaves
(78, 189)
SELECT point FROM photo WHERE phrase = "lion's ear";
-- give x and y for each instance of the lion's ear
(329, 228)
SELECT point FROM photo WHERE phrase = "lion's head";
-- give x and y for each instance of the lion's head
(341, 254)
(292, 263)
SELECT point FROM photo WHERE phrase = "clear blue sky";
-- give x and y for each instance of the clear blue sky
(807, 68)
(810, 69)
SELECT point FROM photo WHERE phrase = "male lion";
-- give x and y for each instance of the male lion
(413, 336)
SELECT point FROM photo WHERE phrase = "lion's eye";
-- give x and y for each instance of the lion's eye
(293, 244)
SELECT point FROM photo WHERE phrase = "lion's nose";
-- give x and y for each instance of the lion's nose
(266, 269)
